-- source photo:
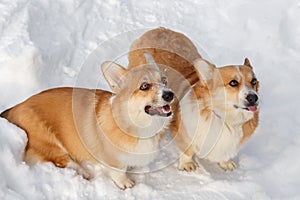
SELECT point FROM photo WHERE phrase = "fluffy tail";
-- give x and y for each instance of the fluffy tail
(4, 114)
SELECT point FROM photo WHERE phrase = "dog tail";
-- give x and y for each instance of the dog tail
(5, 113)
(151, 60)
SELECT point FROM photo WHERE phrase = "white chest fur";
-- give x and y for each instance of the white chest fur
(227, 144)
(145, 152)
(212, 138)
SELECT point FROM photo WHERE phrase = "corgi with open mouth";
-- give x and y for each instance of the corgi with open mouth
(87, 128)
(219, 107)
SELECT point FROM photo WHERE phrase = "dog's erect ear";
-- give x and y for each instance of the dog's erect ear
(113, 74)
(247, 62)
(204, 69)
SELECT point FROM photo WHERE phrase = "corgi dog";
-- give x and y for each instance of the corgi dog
(218, 110)
(87, 128)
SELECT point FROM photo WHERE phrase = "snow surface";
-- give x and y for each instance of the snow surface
(54, 43)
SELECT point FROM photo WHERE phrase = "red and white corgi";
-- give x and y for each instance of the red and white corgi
(218, 110)
(84, 129)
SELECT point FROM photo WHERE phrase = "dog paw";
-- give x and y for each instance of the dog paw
(186, 163)
(125, 183)
(188, 166)
(228, 165)
(121, 180)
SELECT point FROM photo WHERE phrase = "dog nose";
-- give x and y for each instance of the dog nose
(252, 98)
(168, 96)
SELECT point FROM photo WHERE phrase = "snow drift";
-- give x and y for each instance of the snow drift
(46, 44)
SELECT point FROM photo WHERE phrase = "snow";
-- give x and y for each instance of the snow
(46, 44)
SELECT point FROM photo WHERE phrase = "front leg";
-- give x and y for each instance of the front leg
(187, 163)
(184, 143)
(228, 165)
(120, 179)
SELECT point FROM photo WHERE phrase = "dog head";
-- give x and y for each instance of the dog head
(142, 100)
(234, 89)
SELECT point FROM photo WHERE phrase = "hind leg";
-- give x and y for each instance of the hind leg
(31, 157)
(58, 158)
(44, 151)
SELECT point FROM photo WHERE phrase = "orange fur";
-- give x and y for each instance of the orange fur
(249, 128)
(75, 127)
(174, 54)
(174, 50)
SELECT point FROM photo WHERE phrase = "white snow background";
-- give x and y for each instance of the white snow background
(45, 44)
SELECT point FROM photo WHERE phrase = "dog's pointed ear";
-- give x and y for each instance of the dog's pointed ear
(247, 62)
(113, 74)
(204, 69)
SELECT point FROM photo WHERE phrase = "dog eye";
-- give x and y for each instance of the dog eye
(233, 83)
(253, 82)
(164, 80)
(145, 86)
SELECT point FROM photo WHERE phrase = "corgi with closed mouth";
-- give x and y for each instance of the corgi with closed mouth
(219, 109)
(84, 129)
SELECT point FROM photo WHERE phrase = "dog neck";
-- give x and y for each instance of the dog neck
(232, 118)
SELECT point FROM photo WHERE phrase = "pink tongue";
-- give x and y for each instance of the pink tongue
(252, 108)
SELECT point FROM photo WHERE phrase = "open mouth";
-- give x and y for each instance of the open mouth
(163, 111)
(251, 108)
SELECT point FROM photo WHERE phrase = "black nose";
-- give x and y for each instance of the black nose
(168, 96)
(252, 98)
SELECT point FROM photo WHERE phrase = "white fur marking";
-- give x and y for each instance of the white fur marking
(150, 60)
(145, 152)
(226, 145)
